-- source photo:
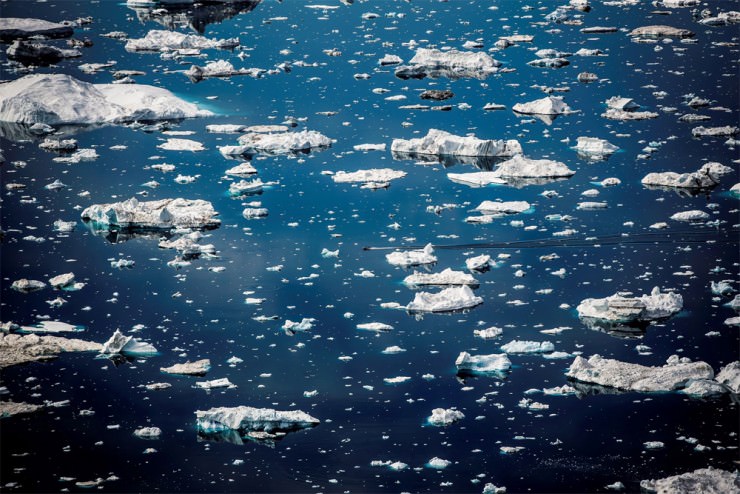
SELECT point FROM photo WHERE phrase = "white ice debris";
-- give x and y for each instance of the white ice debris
(624, 309)
(449, 299)
(62, 280)
(22, 27)
(446, 277)
(370, 176)
(452, 64)
(704, 480)
(478, 263)
(24, 285)
(246, 187)
(278, 143)
(305, 324)
(441, 143)
(438, 463)
(615, 114)
(477, 179)
(392, 350)
(521, 167)
(160, 40)
(127, 345)
(706, 177)
(729, 376)
(162, 214)
(375, 326)
(242, 169)
(215, 383)
(660, 32)
(225, 128)
(197, 368)
(520, 346)
(412, 257)
(549, 105)
(691, 215)
(674, 375)
(244, 418)
(148, 432)
(445, 416)
(220, 68)
(495, 362)
(727, 130)
(488, 333)
(369, 147)
(33, 99)
(175, 144)
(595, 146)
(505, 207)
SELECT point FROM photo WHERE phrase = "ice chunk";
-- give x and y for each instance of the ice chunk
(506, 207)
(449, 299)
(703, 388)
(438, 463)
(620, 309)
(412, 257)
(18, 349)
(370, 176)
(520, 346)
(375, 326)
(488, 333)
(445, 416)
(549, 105)
(660, 32)
(595, 146)
(729, 376)
(392, 350)
(197, 368)
(225, 128)
(174, 144)
(441, 143)
(292, 327)
(446, 277)
(11, 408)
(21, 28)
(452, 64)
(27, 286)
(127, 345)
(62, 280)
(478, 263)
(215, 383)
(692, 215)
(477, 179)
(704, 480)
(160, 40)
(244, 418)
(521, 167)
(614, 114)
(727, 130)
(148, 432)
(162, 214)
(220, 68)
(278, 143)
(490, 488)
(39, 53)
(674, 375)
(706, 177)
(245, 187)
(493, 363)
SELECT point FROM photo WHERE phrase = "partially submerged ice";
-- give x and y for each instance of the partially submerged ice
(521, 167)
(445, 277)
(441, 143)
(21, 28)
(55, 99)
(595, 146)
(369, 176)
(445, 416)
(520, 346)
(277, 143)
(704, 480)
(706, 177)
(549, 105)
(244, 418)
(452, 64)
(197, 368)
(160, 40)
(449, 299)
(412, 257)
(503, 207)
(483, 364)
(676, 374)
(162, 214)
(122, 344)
(625, 310)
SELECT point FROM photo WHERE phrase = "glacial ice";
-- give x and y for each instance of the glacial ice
(441, 143)
(444, 416)
(277, 143)
(449, 299)
(520, 346)
(521, 167)
(412, 257)
(726, 131)
(614, 114)
(595, 146)
(493, 363)
(660, 31)
(162, 214)
(197, 368)
(220, 68)
(729, 375)
(62, 280)
(175, 144)
(445, 277)
(375, 326)
(478, 263)
(676, 374)
(215, 383)
(477, 179)
(505, 207)
(148, 432)
(24, 285)
(691, 215)
(119, 343)
(705, 177)
(704, 480)
(488, 333)
(438, 463)
(245, 418)
(160, 40)
(18, 349)
(21, 28)
(622, 309)
(39, 53)
(452, 64)
(549, 105)
(370, 176)
(292, 326)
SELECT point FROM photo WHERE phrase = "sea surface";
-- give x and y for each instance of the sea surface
(581, 443)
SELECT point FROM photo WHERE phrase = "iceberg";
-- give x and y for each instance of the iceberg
(278, 143)
(729, 376)
(27, 286)
(691, 215)
(62, 280)
(520, 346)
(595, 146)
(19, 349)
(127, 345)
(220, 68)
(197, 368)
(549, 105)
(163, 214)
(449, 299)
(452, 64)
(160, 40)
(34, 99)
(506, 207)
(412, 257)
(39, 53)
(370, 176)
(441, 143)
(215, 383)
(482, 364)
(21, 28)
(148, 432)
(477, 179)
(11, 408)
(444, 416)
(291, 327)
(488, 333)
(375, 326)
(727, 130)
(446, 277)
(245, 187)
(704, 480)
(245, 419)
(438, 463)
(660, 32)
(625, 310)
(704, 178)
(478, 263)
(675, 375)
(521, 167)
(614, 114)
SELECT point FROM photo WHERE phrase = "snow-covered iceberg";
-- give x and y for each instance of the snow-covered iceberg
(503, 207)
(483, 364)
(521, 346)
(372, 176)
(706, 177)
(56, 99)
(675, 375)
(18, 349)
(160, 40)
(412, 257)
(162, 214)
(626, 310)
(277, 143)
(441, 143)
(520, 167)
(444, 416)
(593, 146)
(21, 28)
(660, 32)
(445, 277)
(127, 345)
(724, 131)
(452, 64)
(704, 480)
(220, 68)
(196, 368)
(549, 105)
(449, 299)
(245, 419)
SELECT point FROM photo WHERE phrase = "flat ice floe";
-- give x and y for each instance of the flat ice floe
(162, 214)
(160, 40)
(449, 299)
(704, 480)
(676, 374)
(727, 130)
(705, 177)
(175, 144)
(33, 99)
(444, 416)
(477, 179)
(277, 143)
(493, 363)
(624, 309)
(452, 64)
(244, 418)
(659, 31)
(22, 27)
(412, 257)
(549, 105)
(505, 207)
(521, 167)
(18, 349)
(520, 346)
(445, 277)
(197, 368)
(691, 215)
(379, 176)
(220, 68)
(441, 143)
(595, 146)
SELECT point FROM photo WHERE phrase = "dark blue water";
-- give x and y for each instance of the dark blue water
(580, 444)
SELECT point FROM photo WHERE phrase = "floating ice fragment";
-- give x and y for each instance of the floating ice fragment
(620, 309)
(520, 346)
(148, 432)
(493, 363)
(441, 143)
(306, 324)
(707, 176)
(452, 64)
(595, 146)
(445, 416)
(449, 299)
(127, 345)
(692, 215)
(215, 383)
(162, 214)
(197, 368)
(375, 326)
(549, 105)
(438, 463)
(706, 480)
(392, 350)
(446, 277)
(159, 40)
(174, 144)
(478, 263)
(21, 28)
(413, 257)
(244, 418)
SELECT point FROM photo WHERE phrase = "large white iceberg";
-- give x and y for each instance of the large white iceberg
(220, 68)
(278, 143)
(660, 31)
(495, 362)
(452, 64)
(445, 277)
(55, 99)
(127, 345)
(727, 130)
(370, 176)
(160, 40)
(196, 368)
(549, 105)
(441, 143)
(705, 177)
(21, 28)
(449, 299)
(624, 310)
(521, 167)
(244, 418)
(162, 214)
(704, 481)
(520, 346)
(412, 257)
(505, 207)
(675, 375)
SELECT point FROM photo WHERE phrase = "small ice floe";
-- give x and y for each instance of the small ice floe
(375, 326)
(64, 226)
(532, 405)
(27, 286)
(39, 53)
(706, 177)
(452, 64)
(507, 450)
(52, 327)
(66, 282)
(726, 131)
(708, 480)
(676, 374)
(690, 216)
(412, 257)
(549, 105)
(520, 167)
(292, 327)
(622, 309)
(225, 128)
(477, 179)
(122, 263)
(449, 299)
(215, 383)
(246, 187)
(490, 488)
(587, 77)
(521, 346)
(174, 144)
(12, 408)
(250, 213)
(438, 463)
(78, 156)
(503, 207)
(58, 144)
(593, 146)
(254, 423)
(446, 277)
(326, 253)
(482, 364)
(375, 177)
(660, 32)
(444, 416)
(241, 170)
(591, 205)
(369, 147)
(127, 345)
(609, 182)
(25, 27)
(162, 214)
(478, 263)
(390, 60)
(393, 350)
(396, 380)
(488, 333)
(220, 68)
(436, 94)
(723, 288)
(197, 368)
(653, 445)
(277, 143)
(18, 348)
(161, 41)
(441, 143)
(148, 433)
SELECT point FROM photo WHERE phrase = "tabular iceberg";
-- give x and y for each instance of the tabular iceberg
(441, 143)
(162, 214)
(244, 418)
